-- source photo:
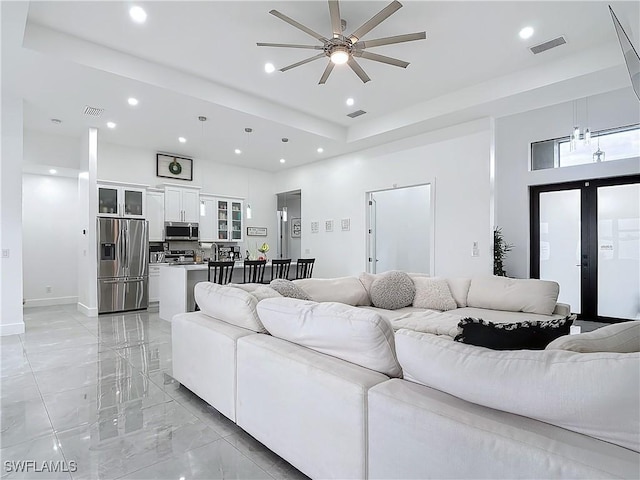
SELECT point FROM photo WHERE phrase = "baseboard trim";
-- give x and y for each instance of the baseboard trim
(87, 311)
(47, 302)
(11, 329)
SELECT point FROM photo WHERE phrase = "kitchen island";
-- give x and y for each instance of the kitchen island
(177, 283)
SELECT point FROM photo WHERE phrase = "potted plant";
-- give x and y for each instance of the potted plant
(500, 250)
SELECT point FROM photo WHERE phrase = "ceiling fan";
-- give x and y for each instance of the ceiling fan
(343, 49)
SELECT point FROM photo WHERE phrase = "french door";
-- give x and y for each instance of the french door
(586, 236)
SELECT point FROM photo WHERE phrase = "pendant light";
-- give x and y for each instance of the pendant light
(598, 155)
(577, 137)
(284, 208)
(248, 216)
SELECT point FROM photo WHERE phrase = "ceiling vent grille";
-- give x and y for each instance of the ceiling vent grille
(355, 114)
(543, 47)
(92, 111)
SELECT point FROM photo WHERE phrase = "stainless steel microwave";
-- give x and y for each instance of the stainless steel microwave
(181, 231)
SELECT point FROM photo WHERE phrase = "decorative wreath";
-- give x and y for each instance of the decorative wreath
(175, 167)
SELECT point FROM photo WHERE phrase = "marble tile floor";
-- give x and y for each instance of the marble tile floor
(93, 398)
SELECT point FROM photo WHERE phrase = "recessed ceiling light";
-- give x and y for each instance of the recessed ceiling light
(111, 125)
(350, 101)
(138, 14)
(320, 150)
(269, 68)
(53, 171)
(238, 151)
(526, 32)
(182, 139)
(133, 101)
(282, 160)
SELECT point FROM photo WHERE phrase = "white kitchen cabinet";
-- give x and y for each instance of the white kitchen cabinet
(181, 204)
(229, 220)
(208, 218)
(119, 200)
(155, 215)
(154, 283)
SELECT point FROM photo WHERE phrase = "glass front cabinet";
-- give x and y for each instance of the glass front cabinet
(229, 220)
(121, 201)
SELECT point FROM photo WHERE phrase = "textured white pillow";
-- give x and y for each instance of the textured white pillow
(620, 337)
(229, 304)
(514, 295)
(258, 290)
(591, 393)
(392, 290)
(348, 290)
(433, 293)
(353, 334)
(288, 289)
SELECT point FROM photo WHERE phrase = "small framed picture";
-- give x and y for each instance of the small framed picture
(328, 225)
(296, 228)
(315, 227)
(170, 166)
(346, 224)
(256, 231)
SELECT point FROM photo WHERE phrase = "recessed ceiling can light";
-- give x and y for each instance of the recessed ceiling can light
(238, 151)
(526, 32)
(132, 101)
(182, 139)
(111, 125)
(269, 68)
(138, 14)
(53, 171)
(350, 101)
(282, 160)
(320, 150)
(57, 121)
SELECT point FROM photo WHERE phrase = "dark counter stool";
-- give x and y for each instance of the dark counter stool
(253, 271)
(280, 268)
(304, 267)
(220, 273)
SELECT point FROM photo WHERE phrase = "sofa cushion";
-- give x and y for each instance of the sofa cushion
(433, 293)
(229, 304)
(353, 334)
(258, 290)
(367, 279)
(287, 288)
(392, 290)
(346, 290)
(619, 337)
(511, 294)
(595, 394)
(459, 288)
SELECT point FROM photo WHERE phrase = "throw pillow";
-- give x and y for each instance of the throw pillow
(529, 335)
(392, 290)
(433, 293)
(618, 337)
(287, 288)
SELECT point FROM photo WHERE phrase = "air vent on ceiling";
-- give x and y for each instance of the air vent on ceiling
(93, 111)
(355, 114)
(543, 47)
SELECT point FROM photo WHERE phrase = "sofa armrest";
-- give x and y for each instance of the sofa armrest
(563, 309)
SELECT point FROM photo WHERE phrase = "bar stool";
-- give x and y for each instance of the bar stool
(304, 267)
(280, 268)
(220, 272)
(253, 271)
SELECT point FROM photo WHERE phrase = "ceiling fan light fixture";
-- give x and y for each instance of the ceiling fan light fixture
(339, 55)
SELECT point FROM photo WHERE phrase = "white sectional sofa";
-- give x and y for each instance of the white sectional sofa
(339, 392)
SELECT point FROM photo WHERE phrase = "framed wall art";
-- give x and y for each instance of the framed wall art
(256, 231)
(171, 166)
(296, 228)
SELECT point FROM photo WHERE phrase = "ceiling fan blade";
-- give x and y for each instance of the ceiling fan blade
(327, 72)
(381, 58)
(302, 62)
(290, 45)
(374, 21)
(358, 69)
(409, 37)
(334, 13)
(298, 25)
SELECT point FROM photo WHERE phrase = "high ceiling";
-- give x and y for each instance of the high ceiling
(200, 58)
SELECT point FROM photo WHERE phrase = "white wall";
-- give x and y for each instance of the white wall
(49, 245)
(136, 165)
(513, 137)
(455, 160)
(51, 150)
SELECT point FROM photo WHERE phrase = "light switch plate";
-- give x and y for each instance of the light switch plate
(5, 253)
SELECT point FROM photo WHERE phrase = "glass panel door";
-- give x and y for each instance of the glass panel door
(223, 220)
(236, 221)
(108, 201)
(619, 251)
(133, 203)
(560, 243)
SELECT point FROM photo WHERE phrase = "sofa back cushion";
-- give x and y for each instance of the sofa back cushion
(459, 288)
(346, 290)
(433, 293)
(511, 294)
(595, 394)
(229, 304)
(356, 335)
(618, 337)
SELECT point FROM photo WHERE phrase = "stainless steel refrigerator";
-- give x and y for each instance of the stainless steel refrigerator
(123, 264)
